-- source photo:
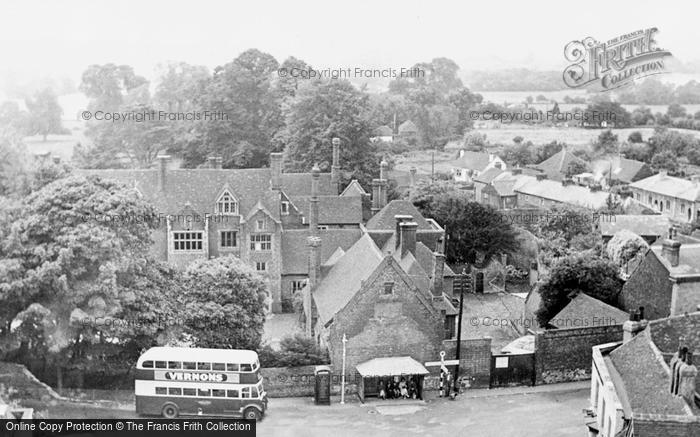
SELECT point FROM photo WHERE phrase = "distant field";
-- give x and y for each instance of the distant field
(572, 136)
(58, 145)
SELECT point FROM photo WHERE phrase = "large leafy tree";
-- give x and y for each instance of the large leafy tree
(586, 273)
(44, 114)
(320, 111)
(107, 85)
(475, 232)
(226, 304)
(243, 90)
(66, 258)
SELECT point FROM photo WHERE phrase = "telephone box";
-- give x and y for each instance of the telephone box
(323, 385)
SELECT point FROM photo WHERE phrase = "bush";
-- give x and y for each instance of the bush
(295, 350)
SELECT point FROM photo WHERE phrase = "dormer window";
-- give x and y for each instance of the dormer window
(285, 207)
(227, 204)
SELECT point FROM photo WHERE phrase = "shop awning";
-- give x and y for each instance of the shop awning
(392, 366)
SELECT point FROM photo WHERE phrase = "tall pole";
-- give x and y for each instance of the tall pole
(459, 328)
(342, 377)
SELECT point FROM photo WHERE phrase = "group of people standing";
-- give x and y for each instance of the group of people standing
(395, 388)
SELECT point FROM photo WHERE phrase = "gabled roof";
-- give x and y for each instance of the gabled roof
(345, 278)
(489, 175)
(571, 194)
(556, 165)
(383, 131)
(299, 184)
(473, 160)
(644, 378)
(354, 189)
(670, 186)
(666, 332)
(295, 249)
(584, 311)
(407, 127)
(688, 262)
(642, 225)
(384, 220)
(618, 168)
(332, 210)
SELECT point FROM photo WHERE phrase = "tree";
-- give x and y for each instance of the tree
(606, 142)
(295, 350)
(625, 246)
(564, 222)
(475, 232)
(44, 114)
(665, 160)
(243, 90)
(518, 154)
(66, 256)
(575, 167)
(635, 137)
(675, 111)
(475, 141)
(546, 151)
(642, 116)
(584, 273)
(179, 86)
(612, 112)
(286, 85)
(226, 304)
(107, 85)
(319, 112)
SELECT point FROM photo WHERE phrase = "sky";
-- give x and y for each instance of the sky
(61, 38)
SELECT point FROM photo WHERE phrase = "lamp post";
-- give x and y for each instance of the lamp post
(459, 327)
(342, 377)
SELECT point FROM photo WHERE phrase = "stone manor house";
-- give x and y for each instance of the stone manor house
(262, 215)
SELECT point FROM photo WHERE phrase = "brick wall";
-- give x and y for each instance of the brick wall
(474, 362)
(566, 354)
(300, 381)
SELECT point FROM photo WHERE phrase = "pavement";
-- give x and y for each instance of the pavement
(545, 410)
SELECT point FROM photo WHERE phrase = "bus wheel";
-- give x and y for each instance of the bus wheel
(252, 413)
(170, 411)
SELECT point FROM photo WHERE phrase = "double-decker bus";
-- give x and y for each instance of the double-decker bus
(174, 381)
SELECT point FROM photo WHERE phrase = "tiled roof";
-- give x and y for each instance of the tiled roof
(571, 194)
(666, 333)
(645, 378)
(345, 277)
(489, 175)
(619, 168)
(354, 189)
(407, 127)
(295, 250)
(585, 311)
(670, 186)
(333, 210)
(688, 263)
(493, 306)
(642, 225)
(384, 219)
(383, 131)
(556, 165)
(299, 184)
(473, 160)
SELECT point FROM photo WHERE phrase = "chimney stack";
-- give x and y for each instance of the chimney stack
(162, 171)
(634, 325)
(335, 168)
(314, 278)
(313, 202)
(383, 167)
(276, 170)
(683, 375)
(541, 176)
(408, 237)
(671, 248)
(400, 219)
(497, 165)
(438, 275)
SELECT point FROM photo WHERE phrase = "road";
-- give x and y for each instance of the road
(554, 410)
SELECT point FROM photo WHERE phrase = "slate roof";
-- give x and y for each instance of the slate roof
(571, 194)
(345, 278)
(556, 165)
(354, 189)
(619, 168)
(384, 219)
(332, 210)
(642, 225)
(472, 160)
(666, 332)
(585, 311)
(295, 251)
(688, 263)
(645, 378)
(299, 184)
(407, 127)
(488, 176)
(669, 186)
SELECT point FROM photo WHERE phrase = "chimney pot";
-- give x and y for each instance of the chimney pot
(335, 167)
(671, 249)
(438, 275)
(313, 202)
(400, 218)
(632, 327)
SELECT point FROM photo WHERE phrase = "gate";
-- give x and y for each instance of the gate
(509, 370)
